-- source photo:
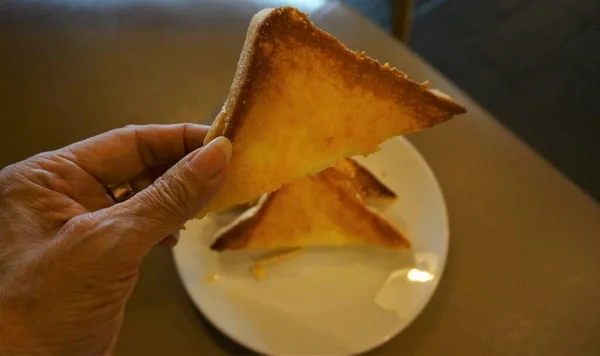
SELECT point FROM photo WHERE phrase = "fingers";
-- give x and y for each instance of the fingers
(177, 196)
(64, 176)
(122, 154)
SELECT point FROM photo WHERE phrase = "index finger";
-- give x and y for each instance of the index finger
(121, 154)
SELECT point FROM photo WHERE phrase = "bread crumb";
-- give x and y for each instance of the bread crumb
(211, 278)
(258, 271)
(440, 94)
(296, 16)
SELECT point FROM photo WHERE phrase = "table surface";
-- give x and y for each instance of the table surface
(522, 275)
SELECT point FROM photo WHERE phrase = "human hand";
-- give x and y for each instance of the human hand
(69, 254)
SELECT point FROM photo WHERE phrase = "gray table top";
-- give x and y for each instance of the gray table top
(522, 273)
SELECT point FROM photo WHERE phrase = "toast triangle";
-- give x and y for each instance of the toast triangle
(301, 100)
(320, 210)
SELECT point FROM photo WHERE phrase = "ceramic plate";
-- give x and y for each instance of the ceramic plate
(327, 301)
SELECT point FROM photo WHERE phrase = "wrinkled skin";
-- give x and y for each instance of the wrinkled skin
(69, 254)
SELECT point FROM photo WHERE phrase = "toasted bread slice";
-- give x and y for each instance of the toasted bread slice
(367, 184)
(321, 210)
(301, 100)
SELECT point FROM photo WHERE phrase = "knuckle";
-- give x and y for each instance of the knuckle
(4, 180)
(79, 225)
(93, 233)
(131, 128)
(13, 180)
(148, 156)
(173, 194)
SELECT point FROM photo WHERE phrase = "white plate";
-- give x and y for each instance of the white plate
(335, 301)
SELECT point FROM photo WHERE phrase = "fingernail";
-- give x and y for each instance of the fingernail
(210, 160)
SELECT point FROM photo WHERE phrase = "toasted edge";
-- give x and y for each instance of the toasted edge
(391, 235)
(235, 235)
(373, 188)
(222, 125)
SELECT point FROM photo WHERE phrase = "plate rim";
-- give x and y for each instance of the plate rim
(416, 312)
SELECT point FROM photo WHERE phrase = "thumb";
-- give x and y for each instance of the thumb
(177, 196)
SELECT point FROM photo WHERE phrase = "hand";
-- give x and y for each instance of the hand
(69, 254)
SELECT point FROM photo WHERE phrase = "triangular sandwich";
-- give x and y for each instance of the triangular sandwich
(321, 210)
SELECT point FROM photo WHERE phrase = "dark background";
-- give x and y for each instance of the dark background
(534, 64)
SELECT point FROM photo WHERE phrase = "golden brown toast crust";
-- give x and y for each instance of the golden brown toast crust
(241, 85)
(240, 233)
(266, 29)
